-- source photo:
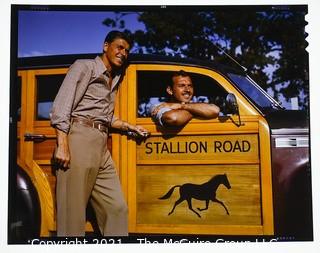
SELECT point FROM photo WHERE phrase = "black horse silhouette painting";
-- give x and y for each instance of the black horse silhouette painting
(206, 192)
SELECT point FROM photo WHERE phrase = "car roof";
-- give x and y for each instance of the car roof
(56, 61)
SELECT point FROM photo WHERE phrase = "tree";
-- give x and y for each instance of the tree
(260, 38)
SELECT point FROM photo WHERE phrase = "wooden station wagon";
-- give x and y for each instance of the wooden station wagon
(262, 152)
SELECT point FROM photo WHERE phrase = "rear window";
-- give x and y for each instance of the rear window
(47, 89)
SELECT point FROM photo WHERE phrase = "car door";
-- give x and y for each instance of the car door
(37, 138)
(192, 158)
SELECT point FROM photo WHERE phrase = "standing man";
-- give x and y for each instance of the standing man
(82, 114)
(180, 110)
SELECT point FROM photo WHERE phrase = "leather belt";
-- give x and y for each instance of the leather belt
(90, 123)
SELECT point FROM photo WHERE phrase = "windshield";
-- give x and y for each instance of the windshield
(254, 92)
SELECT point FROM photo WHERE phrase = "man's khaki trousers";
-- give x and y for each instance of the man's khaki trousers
(92, 177)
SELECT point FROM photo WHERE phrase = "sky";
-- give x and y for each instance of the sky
(64, 32)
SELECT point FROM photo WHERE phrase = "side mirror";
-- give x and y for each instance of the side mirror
(230, 107)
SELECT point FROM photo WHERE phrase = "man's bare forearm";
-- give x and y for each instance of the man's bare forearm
(181, 113)
(125, 126)
(176, 117)
(202, 110)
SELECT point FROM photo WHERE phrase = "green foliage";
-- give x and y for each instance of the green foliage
(259, 38)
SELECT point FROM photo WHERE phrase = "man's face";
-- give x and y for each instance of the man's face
(182, 90)
(117, 52)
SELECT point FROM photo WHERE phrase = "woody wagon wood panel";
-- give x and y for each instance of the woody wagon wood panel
(207, 184)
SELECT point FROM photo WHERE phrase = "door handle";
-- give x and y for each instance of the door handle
(34, 137)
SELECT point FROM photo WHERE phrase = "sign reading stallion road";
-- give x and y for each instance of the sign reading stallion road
(217, 147)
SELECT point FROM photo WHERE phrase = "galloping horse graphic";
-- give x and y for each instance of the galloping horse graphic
(206, 191)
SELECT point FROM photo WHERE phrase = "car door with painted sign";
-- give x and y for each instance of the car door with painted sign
(209, 177)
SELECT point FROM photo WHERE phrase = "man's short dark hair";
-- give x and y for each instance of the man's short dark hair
(111, 36)
(179, 73)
